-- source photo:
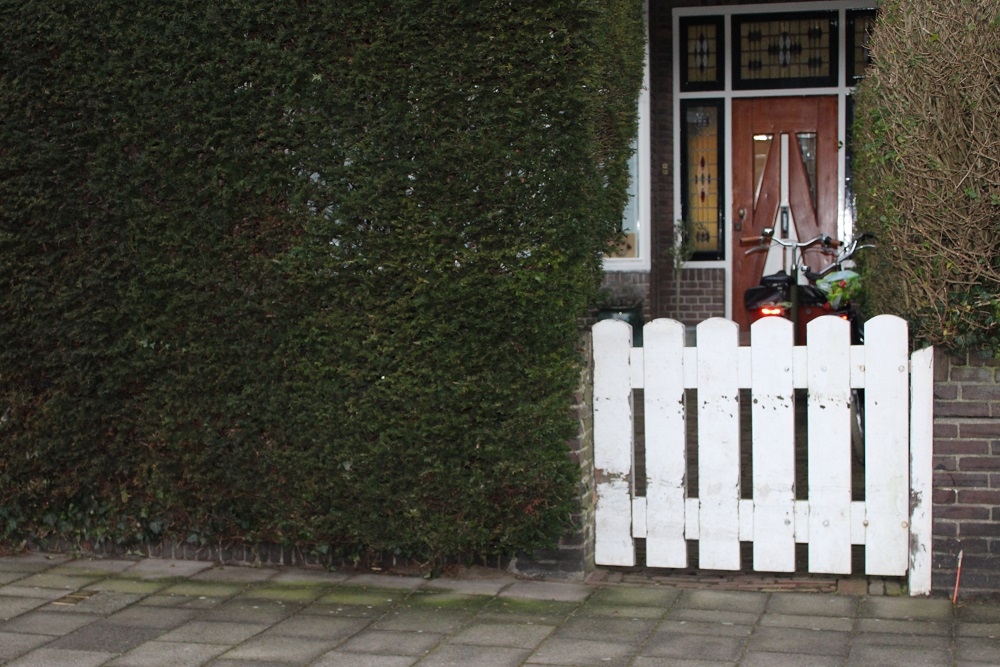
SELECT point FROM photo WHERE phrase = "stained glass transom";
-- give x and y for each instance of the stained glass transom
(701, 66)
(859, 29)
(785, 50)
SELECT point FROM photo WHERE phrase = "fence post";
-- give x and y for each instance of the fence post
(613, 444)
(921, 469)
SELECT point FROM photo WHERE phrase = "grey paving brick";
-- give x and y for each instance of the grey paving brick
(882, 625)
(63, 582)
(615, 611)
(169, 654)
(511, 635)
(36, 592)
(164, 618)
(391, 643)
(491, 586)
(697, 646)
(13, 644)
(54, 657)
(635, 596)
(235, 574)
(319, 627)
(990, 630)
(93, 566)
(812, 604)
(978, 612)
(838, 624)
(15, 606)
(546, 590)
(126, 585)
(162, 568)
(102, 603)
(563, 651)
(251, 611)
(764, 659)
(213, 632)
(712, 616)
(680, 662)
(866, 656)
(310, 576)
(730, 601)
(10, 577)
(296, 650)
(705, 628)
(791, 640)
(384, 581)
(40, 622)
(630, 630)
(422, 620)
(181, 601)
(104, 636)
(361, 596)
(939, 642)
(334, 659)
(978, 649)
(454, 655)
(907, 608)
(32, 562)
(520, 610)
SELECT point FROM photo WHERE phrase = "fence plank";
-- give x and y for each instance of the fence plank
(718, 445)
(829, 458)
(921, 468)
(773, 456)
(887, 446)
(666, 447)
(613, 444)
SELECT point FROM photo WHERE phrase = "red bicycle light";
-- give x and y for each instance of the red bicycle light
(771, 310)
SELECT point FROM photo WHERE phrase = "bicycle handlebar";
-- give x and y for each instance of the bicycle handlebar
(764, 241)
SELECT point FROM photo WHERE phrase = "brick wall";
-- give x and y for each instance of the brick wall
(700, 295)
(967, 472)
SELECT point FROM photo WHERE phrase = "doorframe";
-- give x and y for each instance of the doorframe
(842, 91)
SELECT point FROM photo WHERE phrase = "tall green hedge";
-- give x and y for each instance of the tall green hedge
(303, 272)
(928, 169)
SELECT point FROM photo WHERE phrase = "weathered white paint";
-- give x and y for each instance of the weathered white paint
(613, 443)
(715, 514)
(921, 466)
(719, 458)
(887, 439)
(829, 425)
(773, 422)
(666, 446)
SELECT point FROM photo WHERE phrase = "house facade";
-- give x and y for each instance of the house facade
(744, 124)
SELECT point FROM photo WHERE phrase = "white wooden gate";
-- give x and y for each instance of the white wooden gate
(894, 519)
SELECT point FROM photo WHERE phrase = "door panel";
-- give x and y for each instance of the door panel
(757, 190)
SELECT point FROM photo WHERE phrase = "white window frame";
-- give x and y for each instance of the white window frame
(640, 187)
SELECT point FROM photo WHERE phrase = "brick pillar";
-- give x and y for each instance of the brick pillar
(967, 472)
(573, 557)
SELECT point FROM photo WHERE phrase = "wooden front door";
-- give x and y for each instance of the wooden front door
(784, 169)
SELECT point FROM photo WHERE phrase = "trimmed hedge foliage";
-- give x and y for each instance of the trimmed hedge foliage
(927, 135)
(303, 272)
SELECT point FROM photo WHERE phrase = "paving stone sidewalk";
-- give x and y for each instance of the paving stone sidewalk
(58, 611)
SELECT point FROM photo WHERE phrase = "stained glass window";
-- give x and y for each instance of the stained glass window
(785, 50)
(859, 29)
(701, 160)
(702, 53)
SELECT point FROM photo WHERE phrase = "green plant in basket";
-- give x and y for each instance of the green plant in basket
(840, 287)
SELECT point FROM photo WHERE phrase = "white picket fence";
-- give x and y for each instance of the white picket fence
(894, 519)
